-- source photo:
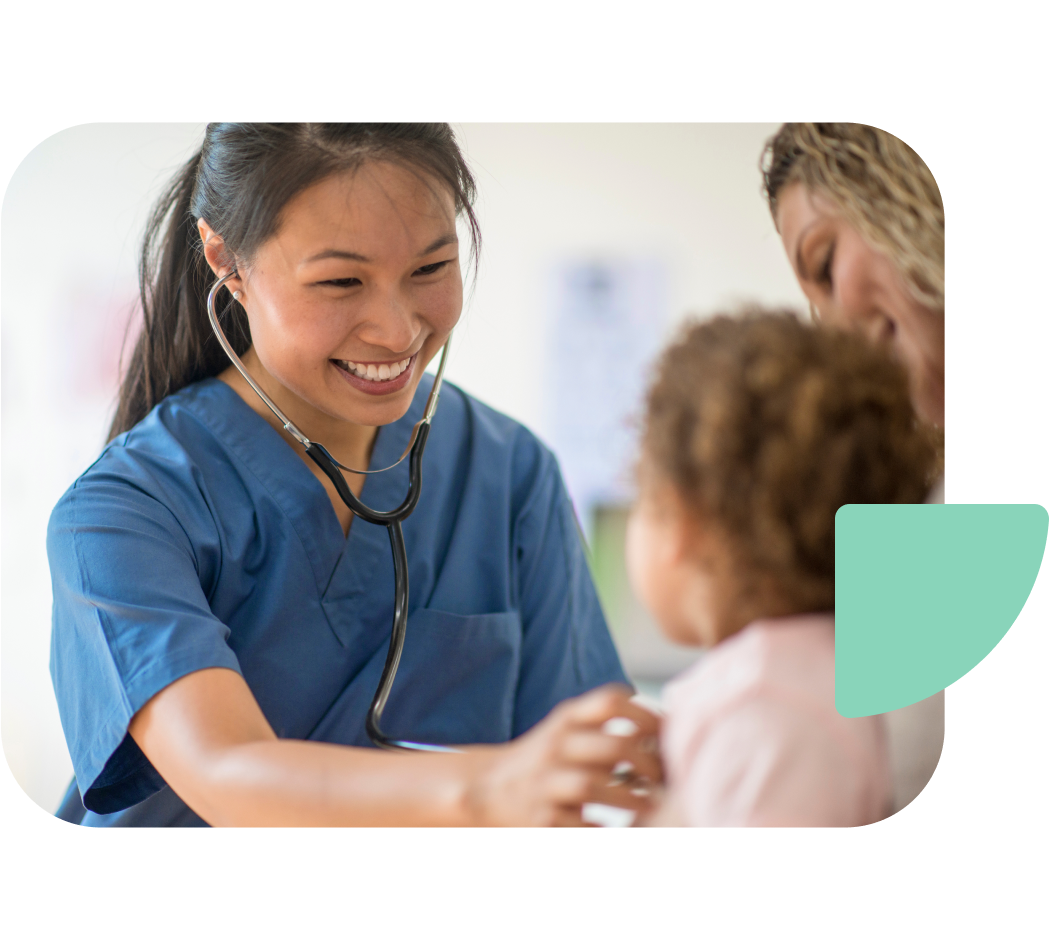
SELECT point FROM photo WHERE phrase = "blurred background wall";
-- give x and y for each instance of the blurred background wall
(598, 241)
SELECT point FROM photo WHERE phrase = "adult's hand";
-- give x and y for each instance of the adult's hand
(544, 777)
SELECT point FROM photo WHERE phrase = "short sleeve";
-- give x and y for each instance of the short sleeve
(566, 647)
(130, 616)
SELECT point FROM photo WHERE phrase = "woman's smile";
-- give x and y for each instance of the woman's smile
(377, 378)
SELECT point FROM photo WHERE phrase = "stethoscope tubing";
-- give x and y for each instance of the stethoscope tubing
(390, 519)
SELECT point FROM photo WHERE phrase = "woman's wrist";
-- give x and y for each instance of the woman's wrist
(473, 796)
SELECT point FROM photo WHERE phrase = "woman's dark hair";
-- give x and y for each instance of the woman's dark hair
(239, 182)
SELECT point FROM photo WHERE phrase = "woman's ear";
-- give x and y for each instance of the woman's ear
(216, 255)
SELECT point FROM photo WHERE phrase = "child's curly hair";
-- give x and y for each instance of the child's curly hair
(767, 425)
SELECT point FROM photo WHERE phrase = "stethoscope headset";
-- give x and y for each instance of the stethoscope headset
(390, 519)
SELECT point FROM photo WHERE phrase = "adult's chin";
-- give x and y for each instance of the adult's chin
(928, 402)
(925, 374)
(374, 412)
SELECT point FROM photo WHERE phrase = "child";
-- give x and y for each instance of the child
(758, 429)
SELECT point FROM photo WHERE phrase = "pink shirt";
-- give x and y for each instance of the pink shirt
(752, 738)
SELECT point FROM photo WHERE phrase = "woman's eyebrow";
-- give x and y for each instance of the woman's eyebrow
(338, 254)
(443, 241)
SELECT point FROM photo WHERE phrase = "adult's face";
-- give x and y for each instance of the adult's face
(856, 287)
(353, 295)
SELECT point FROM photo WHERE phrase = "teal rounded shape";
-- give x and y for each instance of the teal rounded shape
(923, 592)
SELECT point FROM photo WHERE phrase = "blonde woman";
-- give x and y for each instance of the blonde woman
(861, 220)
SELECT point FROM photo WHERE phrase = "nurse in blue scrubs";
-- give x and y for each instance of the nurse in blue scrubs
(221, 621)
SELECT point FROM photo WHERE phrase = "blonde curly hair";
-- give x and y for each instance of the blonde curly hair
(881, 186)
(766, 425)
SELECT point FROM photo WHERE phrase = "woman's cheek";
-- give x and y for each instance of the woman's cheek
(926, 380)
(317, 325)
(268, 340)
(918, 345)
(294, 347)
(441, 304)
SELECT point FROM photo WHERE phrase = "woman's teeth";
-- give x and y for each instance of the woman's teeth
(376, 372)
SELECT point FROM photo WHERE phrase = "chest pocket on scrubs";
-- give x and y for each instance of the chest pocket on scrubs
(457, 680)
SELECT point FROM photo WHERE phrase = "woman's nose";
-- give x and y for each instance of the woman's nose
(856, 301)
(866, 320)
(388, 321)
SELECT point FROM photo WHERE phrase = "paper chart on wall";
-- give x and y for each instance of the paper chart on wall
(609, 317)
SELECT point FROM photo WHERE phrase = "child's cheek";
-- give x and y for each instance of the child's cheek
(637, 554)
(648, 566)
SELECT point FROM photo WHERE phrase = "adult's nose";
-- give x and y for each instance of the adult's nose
(388, 321)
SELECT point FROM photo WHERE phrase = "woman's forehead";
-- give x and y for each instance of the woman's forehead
(798, 207)
(378, 205)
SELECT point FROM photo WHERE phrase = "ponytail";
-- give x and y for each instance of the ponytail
(176, 346)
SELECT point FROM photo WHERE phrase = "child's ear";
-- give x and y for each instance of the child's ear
(684, 539)
(701, 543)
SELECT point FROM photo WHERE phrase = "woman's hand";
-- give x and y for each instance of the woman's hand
(544, 777)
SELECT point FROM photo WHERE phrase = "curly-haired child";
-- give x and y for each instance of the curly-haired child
(758, 428)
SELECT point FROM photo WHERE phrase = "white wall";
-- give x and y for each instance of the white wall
(75, 209)
(686, 194)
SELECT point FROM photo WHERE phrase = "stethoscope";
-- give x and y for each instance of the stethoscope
(390, 519)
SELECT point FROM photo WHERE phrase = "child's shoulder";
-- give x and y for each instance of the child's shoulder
(774, 669)
(761, 704)
(785, 653)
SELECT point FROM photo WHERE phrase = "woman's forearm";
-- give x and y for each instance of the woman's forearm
(301, 783)
(209, 740)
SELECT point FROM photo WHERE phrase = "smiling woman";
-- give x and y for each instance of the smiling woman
(220, 619)
(862, 223)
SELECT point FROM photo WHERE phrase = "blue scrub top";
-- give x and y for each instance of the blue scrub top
(200, 539)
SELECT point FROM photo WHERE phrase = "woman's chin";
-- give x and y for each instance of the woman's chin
(370, 411)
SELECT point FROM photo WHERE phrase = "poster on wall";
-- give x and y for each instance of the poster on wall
(609, 317)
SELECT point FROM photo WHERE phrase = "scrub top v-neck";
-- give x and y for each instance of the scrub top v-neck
(200, 539)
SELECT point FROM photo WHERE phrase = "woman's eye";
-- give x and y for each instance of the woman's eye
(825, 277)
(340, 282)
(430, 269)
